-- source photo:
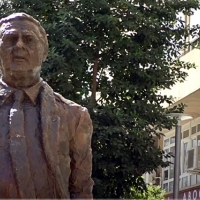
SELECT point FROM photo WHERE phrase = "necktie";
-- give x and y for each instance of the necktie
(18, 148)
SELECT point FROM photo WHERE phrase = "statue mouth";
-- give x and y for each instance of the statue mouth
(19, 58)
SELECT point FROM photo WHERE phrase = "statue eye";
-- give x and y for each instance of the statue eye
(29, 41)
(10, 40)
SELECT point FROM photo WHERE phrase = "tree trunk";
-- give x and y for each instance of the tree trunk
(94, 81)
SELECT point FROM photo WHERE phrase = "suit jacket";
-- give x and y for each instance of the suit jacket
(67, 131)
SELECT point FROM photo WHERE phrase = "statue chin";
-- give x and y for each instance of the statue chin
(19, 67)
(21, 78)
(22, 69)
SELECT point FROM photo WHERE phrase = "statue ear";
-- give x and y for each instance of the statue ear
(45, 54)
(44, 57)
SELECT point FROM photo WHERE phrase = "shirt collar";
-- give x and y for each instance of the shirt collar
(32, 92)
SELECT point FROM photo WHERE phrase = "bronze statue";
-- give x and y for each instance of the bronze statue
(45, 139)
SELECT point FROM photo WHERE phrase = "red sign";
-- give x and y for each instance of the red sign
(188, 194)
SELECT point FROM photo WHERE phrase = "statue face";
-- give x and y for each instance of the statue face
(20, 47)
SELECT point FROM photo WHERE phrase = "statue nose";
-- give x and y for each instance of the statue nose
(19, 43)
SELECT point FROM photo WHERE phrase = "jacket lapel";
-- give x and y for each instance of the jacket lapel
(50, 129)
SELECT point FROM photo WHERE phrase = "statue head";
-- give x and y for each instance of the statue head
(23, 48)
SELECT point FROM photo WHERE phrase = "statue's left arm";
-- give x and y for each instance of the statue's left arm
(81, 183)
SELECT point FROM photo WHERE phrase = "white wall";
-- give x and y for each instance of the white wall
(192, 82)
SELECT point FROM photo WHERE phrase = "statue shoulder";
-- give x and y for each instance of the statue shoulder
(61, 102)
(60, 99)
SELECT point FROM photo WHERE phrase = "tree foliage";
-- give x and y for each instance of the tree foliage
(114, 56)
(153, 192)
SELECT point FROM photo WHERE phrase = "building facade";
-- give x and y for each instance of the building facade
(187, 93)
(189, 181)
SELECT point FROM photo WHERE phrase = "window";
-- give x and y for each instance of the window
(185, 159)
(171, 186)
(171, 167)
(171, 171)
(185, 181)
(172, 150)
(166, 175)
(198, 140)
(193, 179)
(165, 187)
(190, 139)
(194, 129)
(172, 140)
(166, 142)
(186, 133)
(166, 152)
(198, 179)
(198, 127)
(194, 143)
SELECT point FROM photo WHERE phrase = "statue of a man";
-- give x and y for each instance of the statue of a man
(45, 139)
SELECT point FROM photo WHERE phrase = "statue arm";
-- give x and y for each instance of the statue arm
(81, 183)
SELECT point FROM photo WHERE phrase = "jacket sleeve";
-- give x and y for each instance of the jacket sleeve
(81, 183)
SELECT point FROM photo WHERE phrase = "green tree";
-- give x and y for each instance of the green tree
(114, 56)
(153, 192)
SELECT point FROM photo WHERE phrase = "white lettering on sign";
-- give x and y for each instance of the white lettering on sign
(189, 195)
(194, 195)
(184, 196)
